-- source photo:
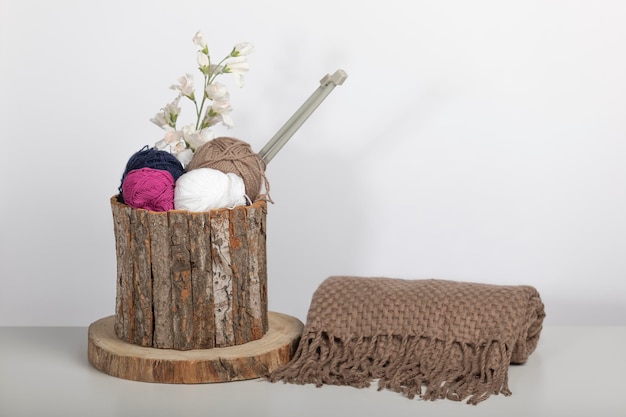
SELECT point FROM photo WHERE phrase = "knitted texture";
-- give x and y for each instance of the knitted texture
(231, 155)
(151, 158)
(431, 338)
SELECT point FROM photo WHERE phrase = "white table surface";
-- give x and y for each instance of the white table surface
(44, 371)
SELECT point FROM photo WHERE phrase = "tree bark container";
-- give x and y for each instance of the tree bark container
(190, 280)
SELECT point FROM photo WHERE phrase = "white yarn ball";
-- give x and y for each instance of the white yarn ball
(204, 189)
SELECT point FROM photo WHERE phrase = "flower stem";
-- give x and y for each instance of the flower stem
(199, 110)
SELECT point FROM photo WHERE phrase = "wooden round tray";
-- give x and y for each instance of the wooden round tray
(250, 360)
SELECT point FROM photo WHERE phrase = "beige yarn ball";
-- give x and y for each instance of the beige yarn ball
(231, 155)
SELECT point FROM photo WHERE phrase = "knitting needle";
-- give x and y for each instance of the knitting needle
(327, 84)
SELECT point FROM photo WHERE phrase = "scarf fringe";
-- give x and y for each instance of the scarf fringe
(412, 365)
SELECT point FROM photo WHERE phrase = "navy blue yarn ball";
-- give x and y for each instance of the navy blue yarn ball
(152, 158)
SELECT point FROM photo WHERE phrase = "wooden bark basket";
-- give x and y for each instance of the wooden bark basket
(188, 280)
(191, 282)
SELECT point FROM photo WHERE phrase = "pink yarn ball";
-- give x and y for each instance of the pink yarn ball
(150, 189)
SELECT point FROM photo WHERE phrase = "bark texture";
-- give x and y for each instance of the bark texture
(190, 280)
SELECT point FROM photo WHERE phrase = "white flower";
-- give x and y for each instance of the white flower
(198, 39)
(185, 86)
(226, 120)
(221, 107)
(217, 92)
(214, 106)
(211, 119)
(168, 115)
(218, 112)
(173, 141)
(184, 156)
(179, 147)
(173, 136)
(203, 61)
(159, 120)
(238, 66)
(196, 138)
(242, 48)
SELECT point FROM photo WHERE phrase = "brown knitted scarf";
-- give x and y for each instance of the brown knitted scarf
(432, 338)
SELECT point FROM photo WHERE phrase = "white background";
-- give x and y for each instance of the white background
(476, 141)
